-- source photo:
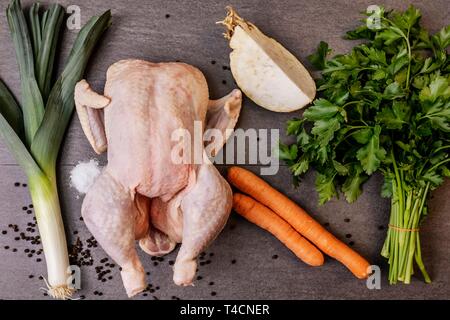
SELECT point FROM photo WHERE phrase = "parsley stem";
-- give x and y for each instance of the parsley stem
(399, 181)
(408, 74)
(358, 127)
(427, 160)
(408, 45)
(442, 148)
(350, 103)
(402, 244)
(438, 165)
(348, 135)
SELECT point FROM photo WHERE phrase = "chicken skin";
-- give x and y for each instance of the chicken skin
(143, 193)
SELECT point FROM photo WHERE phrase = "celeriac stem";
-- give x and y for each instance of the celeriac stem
(51, 229)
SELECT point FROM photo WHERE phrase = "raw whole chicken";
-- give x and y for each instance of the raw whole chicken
(142, 194)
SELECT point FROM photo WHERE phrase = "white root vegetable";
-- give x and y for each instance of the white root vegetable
(264, 70)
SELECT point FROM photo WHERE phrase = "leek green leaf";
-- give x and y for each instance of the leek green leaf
(10, 110)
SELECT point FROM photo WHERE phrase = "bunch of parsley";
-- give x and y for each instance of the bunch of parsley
(385, 106)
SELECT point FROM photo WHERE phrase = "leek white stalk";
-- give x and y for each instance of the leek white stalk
(34, 132)
(44, 195)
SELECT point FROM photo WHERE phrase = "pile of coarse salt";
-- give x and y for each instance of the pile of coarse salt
(84, 175)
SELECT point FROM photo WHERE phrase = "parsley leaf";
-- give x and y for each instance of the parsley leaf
(383, 106)
(318, 59)
(352, 185)
(321, 110)
(325, 129)
(371, 154)
(325, 187)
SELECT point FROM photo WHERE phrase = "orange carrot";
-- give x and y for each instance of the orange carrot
(265, 218)
(254, 186)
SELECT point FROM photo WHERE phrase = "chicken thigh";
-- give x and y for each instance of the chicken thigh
(143, 193)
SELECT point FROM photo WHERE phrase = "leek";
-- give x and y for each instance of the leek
(34, 131)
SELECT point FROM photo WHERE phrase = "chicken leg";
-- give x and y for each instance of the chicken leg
(206, 207)
(110, 212)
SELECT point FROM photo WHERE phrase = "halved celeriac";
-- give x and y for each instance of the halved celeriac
(264, 70)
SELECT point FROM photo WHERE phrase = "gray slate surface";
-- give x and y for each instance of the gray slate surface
(141, 30)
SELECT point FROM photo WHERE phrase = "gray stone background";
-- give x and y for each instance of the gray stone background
(241, 264)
